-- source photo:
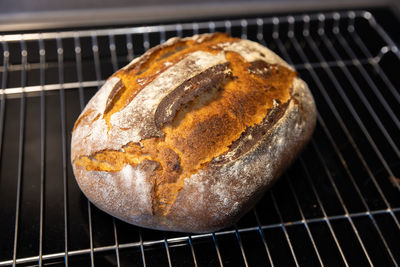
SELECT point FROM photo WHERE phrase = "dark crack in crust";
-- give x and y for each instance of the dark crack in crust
(251, 136)
(113, 96)
(197, 86)
(205, 81)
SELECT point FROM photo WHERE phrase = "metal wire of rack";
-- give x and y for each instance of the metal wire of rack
(338, 204)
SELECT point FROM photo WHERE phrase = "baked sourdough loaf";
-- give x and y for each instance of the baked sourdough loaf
(189, 136)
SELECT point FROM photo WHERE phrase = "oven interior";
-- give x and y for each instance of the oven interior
(338, 204)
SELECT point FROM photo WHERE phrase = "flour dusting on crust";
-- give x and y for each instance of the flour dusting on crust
(91, 137)
(252, 51)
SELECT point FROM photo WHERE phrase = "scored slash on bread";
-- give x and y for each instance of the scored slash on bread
(188, 136)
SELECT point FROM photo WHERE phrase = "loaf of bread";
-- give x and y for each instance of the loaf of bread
(190, 135)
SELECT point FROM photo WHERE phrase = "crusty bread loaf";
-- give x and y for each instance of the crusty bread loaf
(188, 136)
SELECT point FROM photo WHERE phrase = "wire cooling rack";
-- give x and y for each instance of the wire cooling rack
(339, 203)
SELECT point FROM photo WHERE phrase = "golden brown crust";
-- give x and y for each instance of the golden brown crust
(205, 119)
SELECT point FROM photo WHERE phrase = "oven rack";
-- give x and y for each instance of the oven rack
(338, 204)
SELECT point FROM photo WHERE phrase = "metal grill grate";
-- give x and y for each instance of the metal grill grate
(338, 204)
